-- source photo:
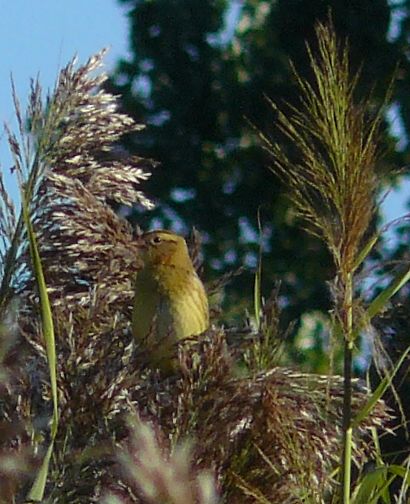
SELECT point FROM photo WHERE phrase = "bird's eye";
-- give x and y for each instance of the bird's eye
(156, 240)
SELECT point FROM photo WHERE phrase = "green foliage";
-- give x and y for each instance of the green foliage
(282, 430)
(197, 74)
(37, 491)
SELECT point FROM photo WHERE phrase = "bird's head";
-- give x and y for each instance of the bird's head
(162, 247)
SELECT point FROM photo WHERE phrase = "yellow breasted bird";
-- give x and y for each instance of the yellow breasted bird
(170, 300)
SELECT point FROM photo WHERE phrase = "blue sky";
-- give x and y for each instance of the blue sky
(38, 37)
(41, 36)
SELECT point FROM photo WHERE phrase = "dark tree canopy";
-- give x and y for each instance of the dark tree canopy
(197, 74)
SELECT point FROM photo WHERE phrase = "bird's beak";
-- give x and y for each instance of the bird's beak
(140, 242)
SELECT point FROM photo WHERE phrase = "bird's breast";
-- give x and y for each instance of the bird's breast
(175, 298)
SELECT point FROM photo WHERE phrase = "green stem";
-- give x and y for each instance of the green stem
(347, 388)
(347, 420)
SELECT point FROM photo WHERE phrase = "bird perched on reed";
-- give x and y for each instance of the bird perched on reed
(170, 301)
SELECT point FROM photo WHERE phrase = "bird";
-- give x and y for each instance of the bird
(170, 302)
